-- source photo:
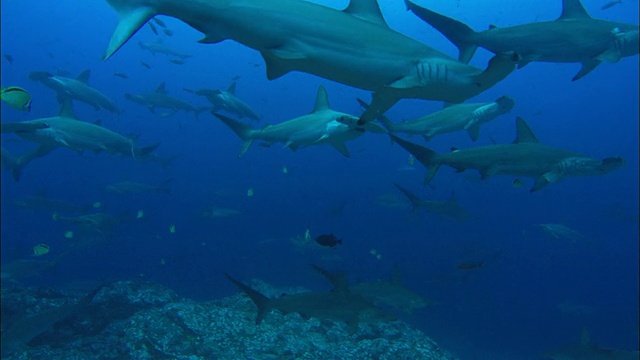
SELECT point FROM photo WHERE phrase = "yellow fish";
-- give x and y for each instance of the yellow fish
(16, 97)
(40, 249)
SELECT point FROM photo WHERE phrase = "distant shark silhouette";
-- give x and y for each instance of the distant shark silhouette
(354, 46)
(228, 101)
(450, 209)
(526, 156)
(161, 99)
(575, 37)
(587, 350)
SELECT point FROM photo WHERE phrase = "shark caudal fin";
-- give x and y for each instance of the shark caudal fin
(243, 131)
(499, 67)
(425, 156)
(261, 301)
(133, 15)
(458, 33)
(416, 202)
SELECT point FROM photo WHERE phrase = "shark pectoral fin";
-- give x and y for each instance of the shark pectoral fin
(524, 62)
(552, 176)
(485, 173)
(342, 148)
(131, 20)
(431, 172)
(587, 67)
(276, 67)
(474, 132)
(211, 39)
(540, 183)
(382, 100)
(245, 146)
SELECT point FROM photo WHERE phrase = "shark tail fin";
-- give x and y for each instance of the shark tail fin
(457, 32)
(261, 301)
(132, 18)
(415, 200)
(499, 67)
(425, 156)
(141, 153)
(243, 131)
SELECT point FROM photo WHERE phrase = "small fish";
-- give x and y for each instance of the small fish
(8, 57)
(16, 97)
(412, 159)
(177, 61)
(285, 170)
(307, 235)
(153, 28)
(172, 228)
(68, 234)
(97, 205)
(144, 64)
(250, 192)
(160, 23)
(610, 4)
(40, 249)
(140, 214)
(329, 240)
(167, 32)
(121, 75)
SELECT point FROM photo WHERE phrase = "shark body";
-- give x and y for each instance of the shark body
(76, 89)
(587, 350)
(453, 118)
(322, 126)
(66, 131)
(227, 100)
(575, 37)
(354, 46)
(161, 99)
(450, 209)
(525, 157)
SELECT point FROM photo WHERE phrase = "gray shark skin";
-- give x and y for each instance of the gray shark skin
(575, 37)
(587, 350)
(321, 126)
(159, 48)
(77, 89)
(66, 131)
(338, 305)
(525, 157)
(453, 118)
(354, 47)
(161, 99)
(450, 209)
(227, 101)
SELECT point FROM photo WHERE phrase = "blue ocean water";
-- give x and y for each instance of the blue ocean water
(533, 293)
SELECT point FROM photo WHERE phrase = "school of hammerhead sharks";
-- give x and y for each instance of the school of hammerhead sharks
(356, 47)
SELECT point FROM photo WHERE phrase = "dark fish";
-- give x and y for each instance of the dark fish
(122, 75)
(8, 57)
(328, 240)
(167, 32)
(610, 4)
(160, 23)
(177, 61)
(144, 64)
(153, 28)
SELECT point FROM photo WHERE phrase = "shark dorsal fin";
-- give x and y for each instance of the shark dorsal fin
(339, 281)
(368, 10)
(322, 100)
(524, 133)
(160, 89)
(66, 109)
(491, 27)
(84, 76)
(573, 9)
(232, 88)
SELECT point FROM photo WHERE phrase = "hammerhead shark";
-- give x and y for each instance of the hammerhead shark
(77, 89)
(228, 101)
(338, 305)
(65, 130)
(159, 48)
(575, 37)
(525, 157)
(354, 46)
(588, 350)
(322, 126)
(450, 209)
(456, 117)
(161, 99)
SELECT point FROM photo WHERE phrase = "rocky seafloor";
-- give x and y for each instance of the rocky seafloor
(141, 320)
